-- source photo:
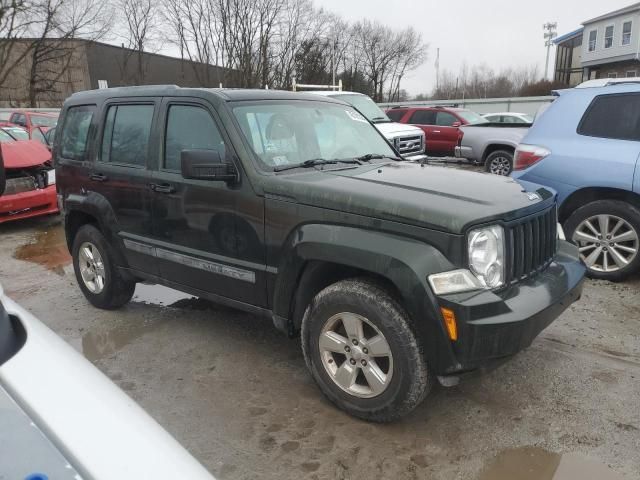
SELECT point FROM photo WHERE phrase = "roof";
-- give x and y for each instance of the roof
(330, 93)
(568, 36)
(607, 82)
(615, 13)
(223, 94)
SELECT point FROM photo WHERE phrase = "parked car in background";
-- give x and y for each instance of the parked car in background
(491, 144)
(509, 117)
(409, 141)
(63, 419)
(440, 124)
(293, 206)
(30, 178)
(586, 146)
(35, 123)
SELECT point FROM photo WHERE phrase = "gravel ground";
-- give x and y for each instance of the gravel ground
(236, 393)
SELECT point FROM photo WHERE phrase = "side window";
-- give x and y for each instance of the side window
(125, 139)
(36, 134)
(445, 119)
(75, 132)
(423, 117)
(396, 115)
(612, 116)
(189, 128)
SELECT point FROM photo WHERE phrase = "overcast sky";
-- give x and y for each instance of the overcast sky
(500, 33)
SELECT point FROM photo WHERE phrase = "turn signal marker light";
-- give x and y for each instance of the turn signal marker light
(450, 322)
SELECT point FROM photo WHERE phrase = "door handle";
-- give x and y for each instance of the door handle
(98, 177)
(436, 131)
(162, 188)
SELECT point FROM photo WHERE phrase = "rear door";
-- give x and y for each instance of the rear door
(121, 174)
(209, 234)
(445, 132)
(426, 119)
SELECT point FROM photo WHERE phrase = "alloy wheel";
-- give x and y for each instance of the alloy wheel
(356, 355)
(92, 268)
(500, 166)
(607, 243)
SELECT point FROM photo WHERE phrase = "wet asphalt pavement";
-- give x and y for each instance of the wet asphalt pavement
(237, 395)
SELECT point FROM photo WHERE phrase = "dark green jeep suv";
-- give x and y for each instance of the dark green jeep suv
(294, 207)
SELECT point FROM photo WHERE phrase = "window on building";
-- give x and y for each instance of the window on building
(75, 132)
(612, 116)
(626, 33)
(126, 134)
(631, 73)
(189, 128)
(608, 36)
(593, 38)
(612, 75)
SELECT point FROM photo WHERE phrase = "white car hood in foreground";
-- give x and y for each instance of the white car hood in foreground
(100, 431)
(392, 129)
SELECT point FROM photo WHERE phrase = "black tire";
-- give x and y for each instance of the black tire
(410, 381)
(117, 291)
(496, 162)
(616, 208)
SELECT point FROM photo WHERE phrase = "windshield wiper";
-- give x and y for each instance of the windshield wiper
(313, 163)
(376, 156)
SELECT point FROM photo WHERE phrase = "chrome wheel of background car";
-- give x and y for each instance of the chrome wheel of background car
(607, 243)
(91, 267)
(500, 166)
(356, 355)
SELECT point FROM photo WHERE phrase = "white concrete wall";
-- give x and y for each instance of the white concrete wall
(528, 105)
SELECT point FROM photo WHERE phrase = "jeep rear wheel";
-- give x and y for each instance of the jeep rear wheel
(362, 352)
(96, 272)
(499, 162)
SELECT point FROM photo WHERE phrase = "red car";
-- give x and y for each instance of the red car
(440, 125)
(28, 177)
(35, 123)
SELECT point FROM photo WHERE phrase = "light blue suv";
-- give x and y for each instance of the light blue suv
(585, 145)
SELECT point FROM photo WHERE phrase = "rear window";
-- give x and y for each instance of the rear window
(75, 133)
(126, 135)
(612, 116)
(396, 115)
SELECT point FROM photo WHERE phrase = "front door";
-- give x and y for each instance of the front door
(426, 119)
(121, 174)
(209, 235)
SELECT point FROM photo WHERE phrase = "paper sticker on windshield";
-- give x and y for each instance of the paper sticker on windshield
(279, 160)
(356, 116)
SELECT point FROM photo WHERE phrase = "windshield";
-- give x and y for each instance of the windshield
(289, 133)
(472, 117)
(43, 121)
(5, 137)
(17, 133)
(365, 105)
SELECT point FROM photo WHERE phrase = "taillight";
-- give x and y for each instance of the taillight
(527, 155)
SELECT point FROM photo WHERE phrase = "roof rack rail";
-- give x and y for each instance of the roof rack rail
(607, 82)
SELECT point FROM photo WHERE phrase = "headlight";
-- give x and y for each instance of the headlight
(486, 255)
(51, 177)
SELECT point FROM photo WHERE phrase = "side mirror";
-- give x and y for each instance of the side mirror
(206, 165)
(456, 124)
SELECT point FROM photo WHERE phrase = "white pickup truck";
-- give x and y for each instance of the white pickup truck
(491, 144)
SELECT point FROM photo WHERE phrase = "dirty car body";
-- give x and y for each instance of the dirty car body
(29, 179)
(297, 209)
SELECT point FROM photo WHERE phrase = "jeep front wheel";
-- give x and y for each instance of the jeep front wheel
(362, 352)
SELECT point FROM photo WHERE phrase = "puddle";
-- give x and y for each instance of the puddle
(48, 248)
(534, 463)
(103, 343)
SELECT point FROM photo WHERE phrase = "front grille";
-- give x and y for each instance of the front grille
(411, 144)
(531, 245)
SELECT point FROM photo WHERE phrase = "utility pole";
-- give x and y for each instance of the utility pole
(549, 34)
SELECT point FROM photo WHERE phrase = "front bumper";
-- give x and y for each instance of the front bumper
(28, 204)
(495, 325)
(463, 152)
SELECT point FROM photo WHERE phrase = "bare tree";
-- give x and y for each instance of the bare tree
(14, 23)
(141, 19)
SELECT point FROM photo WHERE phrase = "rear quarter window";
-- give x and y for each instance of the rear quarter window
(75, 132)
(614, 116)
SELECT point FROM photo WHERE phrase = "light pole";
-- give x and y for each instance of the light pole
(549, 34)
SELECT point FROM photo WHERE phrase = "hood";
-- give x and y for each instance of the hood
(24, 154)
(393, 130)
(439, 198)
